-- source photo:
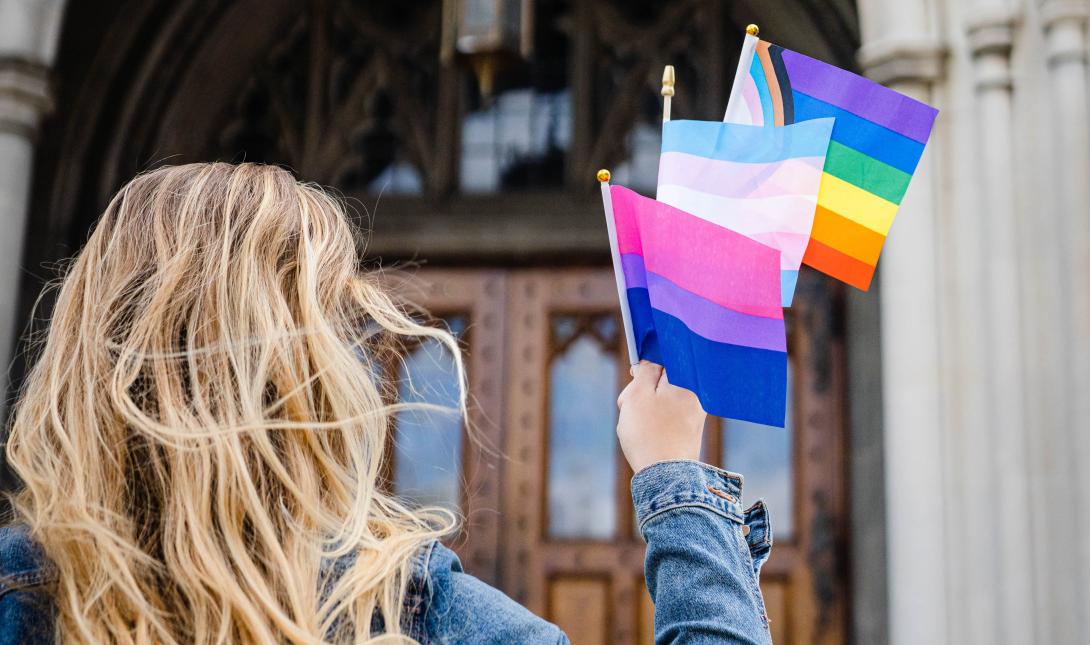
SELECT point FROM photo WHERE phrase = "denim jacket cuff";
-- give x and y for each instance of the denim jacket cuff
(667, 485)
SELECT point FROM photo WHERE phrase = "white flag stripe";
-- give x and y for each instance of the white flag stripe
(768, 217)
(795, 176)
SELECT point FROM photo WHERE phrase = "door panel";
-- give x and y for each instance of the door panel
(478, 298)
(551, 521)
(565, 350)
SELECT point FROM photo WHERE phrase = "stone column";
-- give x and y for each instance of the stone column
(899, 51)
(1064, 23)
(28, 37)
(990, 30)
(23, 99)
(912, 408)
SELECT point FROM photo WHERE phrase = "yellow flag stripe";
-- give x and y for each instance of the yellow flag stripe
(853, 203)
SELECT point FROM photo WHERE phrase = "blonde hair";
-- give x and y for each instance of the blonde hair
(204, 432)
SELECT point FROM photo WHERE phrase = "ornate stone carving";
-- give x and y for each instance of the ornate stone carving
(351, 88)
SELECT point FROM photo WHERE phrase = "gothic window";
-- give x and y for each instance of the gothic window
(428, 441)
(582, 452)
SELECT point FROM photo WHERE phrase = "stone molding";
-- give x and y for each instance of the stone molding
(25, 96)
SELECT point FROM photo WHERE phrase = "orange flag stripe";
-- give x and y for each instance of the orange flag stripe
(851, 238)
(838, 265)
(773, 82)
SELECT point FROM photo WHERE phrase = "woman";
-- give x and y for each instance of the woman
(201, 439)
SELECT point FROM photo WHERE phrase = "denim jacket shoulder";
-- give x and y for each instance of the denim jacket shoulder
(26, 609)
(444, 604)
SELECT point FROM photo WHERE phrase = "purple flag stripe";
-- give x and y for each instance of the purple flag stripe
(860, 96)
(701, 316)
(635, 273)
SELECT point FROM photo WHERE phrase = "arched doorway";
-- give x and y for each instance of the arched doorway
(497, 195)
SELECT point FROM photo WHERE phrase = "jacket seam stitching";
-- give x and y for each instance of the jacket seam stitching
(689, 504)
(20, 581)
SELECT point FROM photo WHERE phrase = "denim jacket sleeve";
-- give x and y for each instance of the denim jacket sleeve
(702, 565)
(26, 611)
(454, 607)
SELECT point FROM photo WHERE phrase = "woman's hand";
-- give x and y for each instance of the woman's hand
(658, 421)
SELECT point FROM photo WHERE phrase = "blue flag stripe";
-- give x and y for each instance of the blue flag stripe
(859, 134)
(747, 143)
(758, 74)
(732, 381)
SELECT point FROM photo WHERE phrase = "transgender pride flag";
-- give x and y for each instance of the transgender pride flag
(704, 302)
(760, 182)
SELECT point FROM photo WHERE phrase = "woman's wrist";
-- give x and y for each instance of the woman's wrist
(669, 484)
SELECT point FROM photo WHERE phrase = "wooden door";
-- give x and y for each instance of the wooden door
(550, 520)
(571, 551)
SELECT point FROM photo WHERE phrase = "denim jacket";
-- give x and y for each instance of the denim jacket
(704, 555)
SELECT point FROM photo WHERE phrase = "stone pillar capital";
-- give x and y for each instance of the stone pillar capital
(1055, 12)
(991, 38)
(1064, 23)
(891, 61)
(991, 33)
(24, 96)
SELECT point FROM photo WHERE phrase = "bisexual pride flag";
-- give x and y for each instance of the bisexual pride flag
(877, 142)
(760, 182)
(703, 302)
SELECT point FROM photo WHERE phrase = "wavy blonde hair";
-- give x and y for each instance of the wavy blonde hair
(204, 430)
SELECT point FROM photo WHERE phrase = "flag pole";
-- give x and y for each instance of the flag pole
(735, 106)
(618, 270)
(667, 91)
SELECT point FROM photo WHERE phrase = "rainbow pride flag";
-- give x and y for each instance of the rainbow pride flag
(877, 142)
(757, 181)
(704, 303)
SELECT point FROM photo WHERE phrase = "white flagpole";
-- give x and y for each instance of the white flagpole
(735, 108)
(667, 91)
(618, 270)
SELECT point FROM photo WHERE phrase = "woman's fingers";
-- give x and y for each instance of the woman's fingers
(657, 421)
(646, 374)
(645, 378)
(663, 381)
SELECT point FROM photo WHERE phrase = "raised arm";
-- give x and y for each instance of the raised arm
(703, 551)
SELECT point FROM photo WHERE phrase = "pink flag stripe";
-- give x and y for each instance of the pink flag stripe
(703, 258)
(797, 176)
(753, 101)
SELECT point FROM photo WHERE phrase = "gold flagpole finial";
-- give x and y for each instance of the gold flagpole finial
(603, 175)
(667, 91)
(752, 30)
(668, 80)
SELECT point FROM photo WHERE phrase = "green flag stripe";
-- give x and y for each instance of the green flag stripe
(868, 173)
